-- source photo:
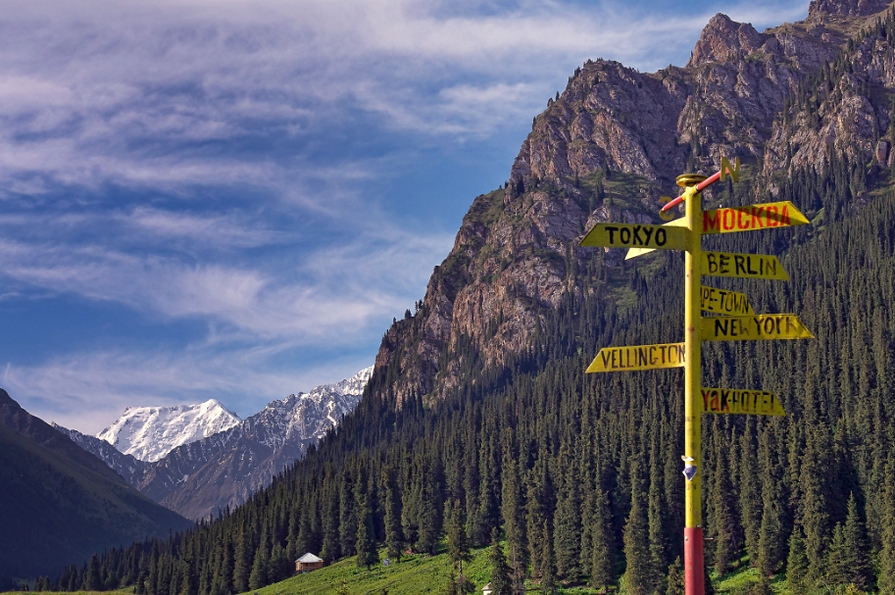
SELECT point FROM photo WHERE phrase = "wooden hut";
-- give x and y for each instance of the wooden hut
(307, 563)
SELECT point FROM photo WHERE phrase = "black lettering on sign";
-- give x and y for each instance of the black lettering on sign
(735, 401)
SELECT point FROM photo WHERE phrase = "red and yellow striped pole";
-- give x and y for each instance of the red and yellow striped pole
(694, 561)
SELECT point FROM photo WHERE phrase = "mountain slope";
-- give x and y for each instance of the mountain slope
(61, 504)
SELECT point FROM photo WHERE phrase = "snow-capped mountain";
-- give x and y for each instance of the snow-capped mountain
(150, 433)
(200, 477)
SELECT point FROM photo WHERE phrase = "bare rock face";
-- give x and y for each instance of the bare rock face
(846, 117)
(851, 8)
(516, 258)
(723, 40)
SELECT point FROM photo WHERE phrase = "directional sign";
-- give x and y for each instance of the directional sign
(747, 266)
(731, 400)
(638, 357)
(724, 301)
(752, 217)
(635, 252)
(636, 235)
(752, 328)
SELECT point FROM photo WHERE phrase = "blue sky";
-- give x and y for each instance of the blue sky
(232, 199)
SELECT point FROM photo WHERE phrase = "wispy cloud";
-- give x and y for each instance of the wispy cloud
(246, 168)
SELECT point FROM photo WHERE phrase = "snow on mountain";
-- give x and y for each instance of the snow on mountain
(306, 416)
(150, 433)
(169, 459)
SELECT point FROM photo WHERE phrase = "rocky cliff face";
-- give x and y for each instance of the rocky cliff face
(516, 256)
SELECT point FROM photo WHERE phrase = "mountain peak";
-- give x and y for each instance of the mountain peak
(723, 40)
(150, 433)
(850, 8)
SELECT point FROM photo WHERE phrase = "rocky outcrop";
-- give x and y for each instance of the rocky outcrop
(516, 256)
(850, 8)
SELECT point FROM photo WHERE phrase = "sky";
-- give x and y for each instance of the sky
(232, 199)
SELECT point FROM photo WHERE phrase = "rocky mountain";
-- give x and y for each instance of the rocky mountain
(150, 433)
(202, 476)
(61, 504)
(515, 256)
(479, 405)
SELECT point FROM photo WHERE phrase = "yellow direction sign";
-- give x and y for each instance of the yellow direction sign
(752, 217)
(731, 400)
(636, 235)
(635, 252)
(746, 266)
(753, 328)
(638, 357)
(724, 301)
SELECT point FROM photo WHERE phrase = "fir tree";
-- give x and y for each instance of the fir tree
(886, 581)
(393, 538)
(500, 570)
(674, 585)
(849, 562)
(602, 565)
(365, 543)
(639, 575)
(260, 567)
(797, 564)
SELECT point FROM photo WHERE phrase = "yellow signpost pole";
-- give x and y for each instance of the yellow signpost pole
(737, 322)
(694, 583)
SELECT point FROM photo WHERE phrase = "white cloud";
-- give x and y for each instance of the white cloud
(87, 391)
(226, 162)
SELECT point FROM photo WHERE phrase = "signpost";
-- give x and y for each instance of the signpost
(736, 321)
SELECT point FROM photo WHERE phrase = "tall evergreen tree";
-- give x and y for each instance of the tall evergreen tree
(849, 561)
(886, 581)
(392, 515)
(500, 570)
(640, 577)
(602, 563)
(797, 564)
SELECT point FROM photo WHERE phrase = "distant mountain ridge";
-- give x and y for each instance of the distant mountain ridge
(61, 504)
(223, 469)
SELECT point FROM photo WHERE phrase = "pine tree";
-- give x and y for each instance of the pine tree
(458, 549)
(281, 564)
(639, 575)
(260, 567)
(393, 538)
(93, 580)
(848, 559)
(724, 524)
(500, 570)
(674, 585)
(330, 549)
(513, 512)
(242, 562)
(548, 578)
(365, 543)
(797, 564)
(886, 581)
(347, 514)
(602, 564)
(567, 522)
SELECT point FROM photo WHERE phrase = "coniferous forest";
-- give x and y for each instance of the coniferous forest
(580, 475)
